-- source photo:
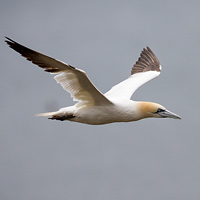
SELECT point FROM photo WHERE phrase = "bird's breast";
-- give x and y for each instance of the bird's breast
(119, 112)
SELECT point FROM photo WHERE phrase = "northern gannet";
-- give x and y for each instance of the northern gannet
(93, 107)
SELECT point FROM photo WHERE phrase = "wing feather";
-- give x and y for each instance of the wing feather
(145, 69)
(73, 80)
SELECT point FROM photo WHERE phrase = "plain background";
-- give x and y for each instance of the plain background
(149, 159)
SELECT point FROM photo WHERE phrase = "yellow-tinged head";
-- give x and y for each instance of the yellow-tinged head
(149, 109)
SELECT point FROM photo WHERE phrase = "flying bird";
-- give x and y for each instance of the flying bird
(93, 107)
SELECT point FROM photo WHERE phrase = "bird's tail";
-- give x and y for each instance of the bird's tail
(56, 115)
(47, 114)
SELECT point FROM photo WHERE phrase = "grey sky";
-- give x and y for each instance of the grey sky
(149, 159)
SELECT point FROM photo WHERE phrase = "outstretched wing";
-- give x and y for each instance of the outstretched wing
(73, 80)
(145, 69)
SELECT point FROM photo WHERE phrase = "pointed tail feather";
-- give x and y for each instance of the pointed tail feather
(48, 114)
(56, 116)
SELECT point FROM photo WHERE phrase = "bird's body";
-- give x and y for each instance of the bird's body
(96, 115)
(96, 108)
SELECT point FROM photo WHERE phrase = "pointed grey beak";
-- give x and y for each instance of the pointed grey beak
(169, 114)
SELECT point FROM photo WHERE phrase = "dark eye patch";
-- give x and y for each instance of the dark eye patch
(160, 110)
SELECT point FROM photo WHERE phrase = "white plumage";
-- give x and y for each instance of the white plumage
(93, 107)
(126, 88)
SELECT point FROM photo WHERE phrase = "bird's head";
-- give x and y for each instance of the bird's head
(149, 109)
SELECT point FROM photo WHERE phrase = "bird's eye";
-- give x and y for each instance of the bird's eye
(159, 110)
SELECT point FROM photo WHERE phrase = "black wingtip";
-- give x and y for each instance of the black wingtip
(9, 40)
(148, 48)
